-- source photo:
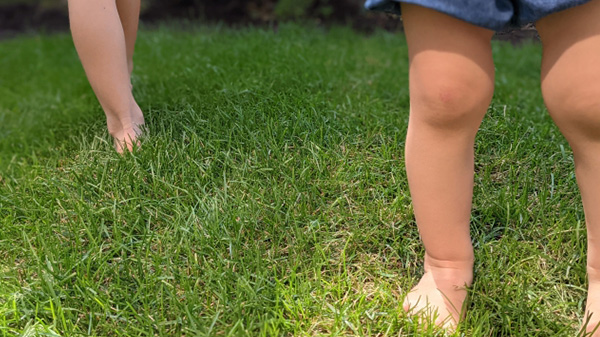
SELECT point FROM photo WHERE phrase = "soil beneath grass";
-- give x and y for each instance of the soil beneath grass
(20, 19)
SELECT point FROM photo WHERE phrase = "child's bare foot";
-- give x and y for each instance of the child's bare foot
(137, 116)
(592, 308)
(127, 138)
(440, 294)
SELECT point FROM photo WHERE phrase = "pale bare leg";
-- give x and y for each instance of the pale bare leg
(451, 86)
(129, 13)
(571, 88)
(100, 39)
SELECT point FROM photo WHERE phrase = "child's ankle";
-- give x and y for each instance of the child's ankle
(458, 262)
(593, 273)
(458, 272)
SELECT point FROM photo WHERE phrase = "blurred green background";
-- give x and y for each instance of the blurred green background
(51, 15)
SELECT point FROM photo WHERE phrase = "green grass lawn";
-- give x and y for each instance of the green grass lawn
(270, 197)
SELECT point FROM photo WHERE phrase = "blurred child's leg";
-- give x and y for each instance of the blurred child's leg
(100, 41)
(451, 86)
(129, 12)
(571, 88)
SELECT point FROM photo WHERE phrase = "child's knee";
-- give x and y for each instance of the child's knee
(451, 103)
(574, 107)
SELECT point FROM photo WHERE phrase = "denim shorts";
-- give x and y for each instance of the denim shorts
(491, 14)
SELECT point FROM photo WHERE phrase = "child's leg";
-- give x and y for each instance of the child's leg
(451, 85)
(129, 13)
(100, 41)
(571, 88)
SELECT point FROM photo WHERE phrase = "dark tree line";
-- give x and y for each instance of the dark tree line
(19, 15)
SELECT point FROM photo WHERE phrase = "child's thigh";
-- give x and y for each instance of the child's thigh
(572, 33)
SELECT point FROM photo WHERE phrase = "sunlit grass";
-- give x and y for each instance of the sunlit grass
(270, 196)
